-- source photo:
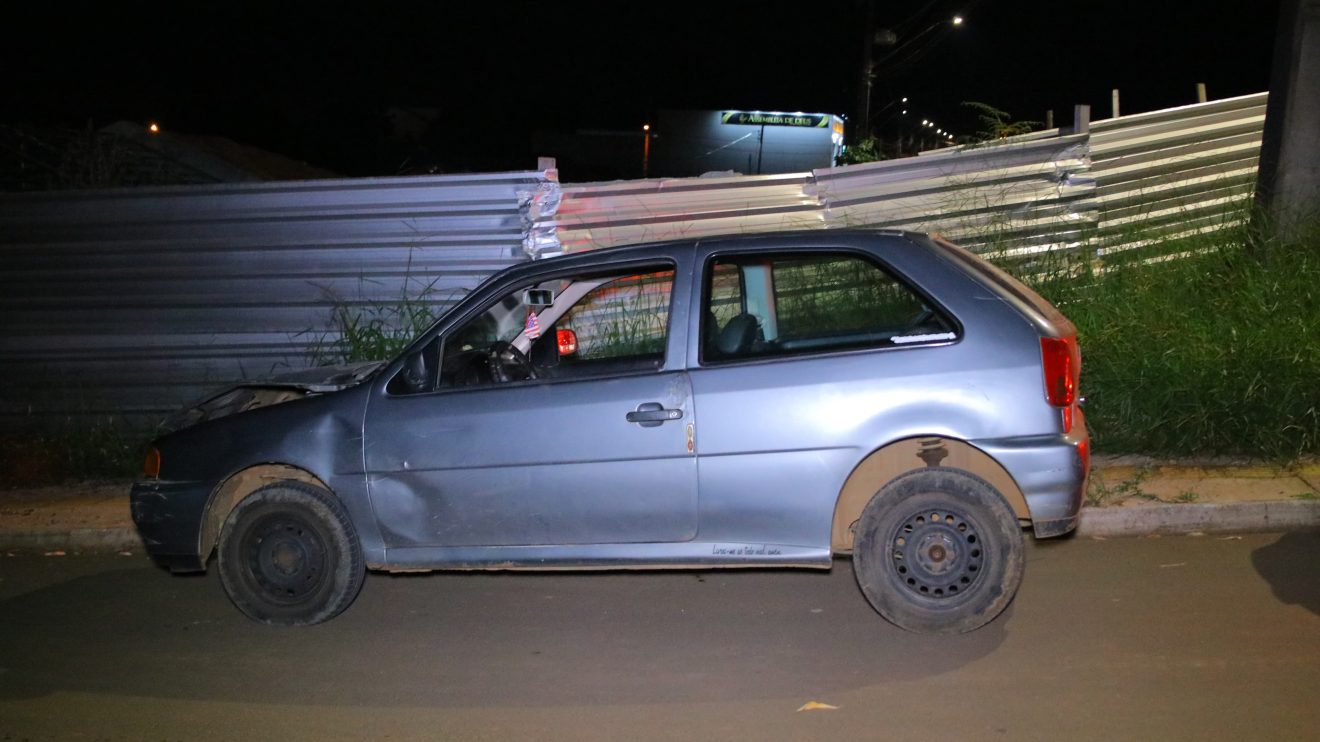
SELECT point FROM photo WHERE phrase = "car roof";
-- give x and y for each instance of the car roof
(793, 238)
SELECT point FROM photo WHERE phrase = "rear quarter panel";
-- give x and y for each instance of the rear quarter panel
(777, 439)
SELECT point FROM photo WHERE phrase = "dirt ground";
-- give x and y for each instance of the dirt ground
(65, 507)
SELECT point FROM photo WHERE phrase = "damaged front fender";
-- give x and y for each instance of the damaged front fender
(278, 390)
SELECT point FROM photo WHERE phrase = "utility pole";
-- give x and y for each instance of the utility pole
(1288, 180)
(760, 147)
(860, 127)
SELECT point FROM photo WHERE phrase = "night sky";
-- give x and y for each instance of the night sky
(313, 81)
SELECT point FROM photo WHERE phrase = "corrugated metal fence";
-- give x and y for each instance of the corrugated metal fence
(1184, 168)
(135, 301)
(1179, 171)
(1036, 192)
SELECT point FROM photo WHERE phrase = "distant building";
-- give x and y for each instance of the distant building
(689, 143)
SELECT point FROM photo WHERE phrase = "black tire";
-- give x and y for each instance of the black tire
(938, 551)
(289, 555)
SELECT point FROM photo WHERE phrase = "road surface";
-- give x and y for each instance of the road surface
(1162, 638)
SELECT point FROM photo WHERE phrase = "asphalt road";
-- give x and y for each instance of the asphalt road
(1161, 638)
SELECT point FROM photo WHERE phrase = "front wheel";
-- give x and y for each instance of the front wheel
(938, 550)
(289, 555)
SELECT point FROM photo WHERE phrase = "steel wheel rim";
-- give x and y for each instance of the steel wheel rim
(285, 559)
(937, 553)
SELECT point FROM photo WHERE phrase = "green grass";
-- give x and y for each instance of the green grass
(1213, 353)
(370, 333)
(104, 448)
(1100, 493)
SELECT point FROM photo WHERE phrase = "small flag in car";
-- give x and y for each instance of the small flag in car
(533, 328)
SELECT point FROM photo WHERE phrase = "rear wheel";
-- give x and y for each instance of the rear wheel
(938, 550)
(289, 555)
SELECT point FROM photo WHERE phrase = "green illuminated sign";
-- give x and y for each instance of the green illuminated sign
(756, 118)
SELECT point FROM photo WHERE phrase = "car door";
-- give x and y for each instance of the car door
(595, 449)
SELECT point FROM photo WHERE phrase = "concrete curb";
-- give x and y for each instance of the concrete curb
(74, 539)
(1233, 517)
(1142, 520)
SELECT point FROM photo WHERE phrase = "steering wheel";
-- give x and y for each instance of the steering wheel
(507, 363)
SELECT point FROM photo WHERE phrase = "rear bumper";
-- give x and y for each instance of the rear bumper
(1051, 471)
(168, 516)
(1051, 528)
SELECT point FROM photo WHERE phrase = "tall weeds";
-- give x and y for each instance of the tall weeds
(1215, 351)
(374, 330)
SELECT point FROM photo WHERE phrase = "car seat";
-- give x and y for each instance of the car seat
(739, 336)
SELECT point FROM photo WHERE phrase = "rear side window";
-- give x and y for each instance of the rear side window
(803, 303)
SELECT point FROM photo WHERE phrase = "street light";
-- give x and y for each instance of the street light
(957, 20)
(887, 38)
(876, 114)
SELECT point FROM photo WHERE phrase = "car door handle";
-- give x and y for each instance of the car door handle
(651, 414)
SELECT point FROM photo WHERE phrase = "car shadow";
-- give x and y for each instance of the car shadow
(1288, 565)
(475, 639)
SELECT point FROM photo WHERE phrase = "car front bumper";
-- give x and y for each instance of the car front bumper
(168, 516)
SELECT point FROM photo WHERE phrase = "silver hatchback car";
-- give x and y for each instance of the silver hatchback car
(760, 401)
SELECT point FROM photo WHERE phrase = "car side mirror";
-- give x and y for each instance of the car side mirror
(418, 371)
(414, 372)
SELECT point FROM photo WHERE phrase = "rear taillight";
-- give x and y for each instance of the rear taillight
(1062, 363)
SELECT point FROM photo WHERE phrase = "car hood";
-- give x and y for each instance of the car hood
(276, 390)
(321, 378)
